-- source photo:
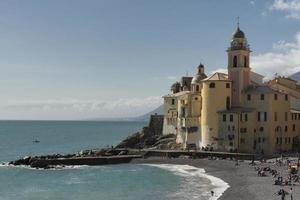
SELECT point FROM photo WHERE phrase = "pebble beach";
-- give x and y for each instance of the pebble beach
(243, 179)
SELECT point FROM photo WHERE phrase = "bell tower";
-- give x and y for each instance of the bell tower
(238, 65)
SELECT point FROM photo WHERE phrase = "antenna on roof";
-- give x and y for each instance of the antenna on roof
(238, 21)
(187, 73)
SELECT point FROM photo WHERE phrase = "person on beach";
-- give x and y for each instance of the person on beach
(291, 193)
(282, 193)
(212, 193)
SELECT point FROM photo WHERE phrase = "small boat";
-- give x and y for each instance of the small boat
(36, 141)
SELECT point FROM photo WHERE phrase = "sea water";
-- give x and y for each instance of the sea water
(125, 181)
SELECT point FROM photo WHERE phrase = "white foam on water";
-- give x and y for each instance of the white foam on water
(191, 188)
(58, 167)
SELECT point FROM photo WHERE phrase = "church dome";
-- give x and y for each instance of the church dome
(200, 75)
(238, 33)
(197, 79)
(175, 87)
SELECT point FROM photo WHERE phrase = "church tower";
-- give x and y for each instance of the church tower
(238, 65)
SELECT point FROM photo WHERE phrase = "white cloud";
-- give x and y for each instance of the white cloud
(252, 3)
(284, 59)
(79, 109)
(292, 7)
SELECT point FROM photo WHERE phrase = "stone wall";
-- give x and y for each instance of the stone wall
(156, 124)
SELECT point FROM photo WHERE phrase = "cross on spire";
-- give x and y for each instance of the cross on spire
(238, 21)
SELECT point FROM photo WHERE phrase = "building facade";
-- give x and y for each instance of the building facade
(236, 111)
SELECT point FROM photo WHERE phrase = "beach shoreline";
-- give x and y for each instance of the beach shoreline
(242, 179)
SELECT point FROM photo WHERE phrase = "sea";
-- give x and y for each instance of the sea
(110, 182)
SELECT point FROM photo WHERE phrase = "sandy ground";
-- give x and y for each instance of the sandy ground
(244, 182)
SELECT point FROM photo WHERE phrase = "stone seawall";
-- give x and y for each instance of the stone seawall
(46, 163)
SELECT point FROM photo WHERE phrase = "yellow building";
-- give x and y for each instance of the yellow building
(235, 111)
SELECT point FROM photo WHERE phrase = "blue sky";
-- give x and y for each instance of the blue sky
(73, 59)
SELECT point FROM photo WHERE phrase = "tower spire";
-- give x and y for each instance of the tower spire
(238, 21)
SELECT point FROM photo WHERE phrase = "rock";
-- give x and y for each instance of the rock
(39, 164)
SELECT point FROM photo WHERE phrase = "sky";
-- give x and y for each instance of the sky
(71, 60)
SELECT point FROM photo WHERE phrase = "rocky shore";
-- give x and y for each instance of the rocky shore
(48, 161)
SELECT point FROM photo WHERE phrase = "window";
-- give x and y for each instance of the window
(212, 85)
(275, 96)
(246, 117)
(258, 116)
(197, 88)
(261, 129)
(224, 117)
(286, 128)
(294, 127)
(275, 116)
(286, 116)
(228, 103)
(243, 130)
(289, 140)
(227, 85)
(286, 97)
(262, 97)
(242, 141)
(280, 140)
(235, 61)
(265, 116)
(231, 118)
(173, 101)
(245, 61)
(233, 128)
(249, 97)
(277, 140)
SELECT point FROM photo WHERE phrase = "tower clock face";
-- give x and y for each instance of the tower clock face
(235, 43)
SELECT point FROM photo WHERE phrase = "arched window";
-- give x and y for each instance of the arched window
(228, 103)
(235, 61)
(245, 61)
(197, 88)
(212, 85)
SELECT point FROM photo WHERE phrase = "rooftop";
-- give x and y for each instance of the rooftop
(217, 77)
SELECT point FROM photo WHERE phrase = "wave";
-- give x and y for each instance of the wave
(197, 183)
(58, 167)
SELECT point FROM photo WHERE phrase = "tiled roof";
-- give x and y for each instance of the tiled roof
(217, 77)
